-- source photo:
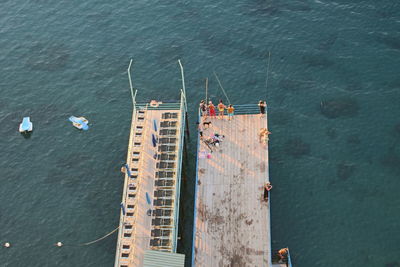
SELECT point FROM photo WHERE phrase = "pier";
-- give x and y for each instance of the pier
(148, 227)
(232, 218)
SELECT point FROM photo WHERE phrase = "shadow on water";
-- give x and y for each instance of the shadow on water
(391, 159)
(339, 107)
(345, 170)
(27, 135)
(389, 40)
(392, 264)
(331, 132)
(353, 139)
(297, 148)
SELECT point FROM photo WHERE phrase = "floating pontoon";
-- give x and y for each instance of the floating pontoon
(26, 125)
(79, 122)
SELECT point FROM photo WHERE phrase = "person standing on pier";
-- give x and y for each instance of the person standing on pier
(203, 109)
(221, 109)
(211, 109)
(230, 111)
(262, 105)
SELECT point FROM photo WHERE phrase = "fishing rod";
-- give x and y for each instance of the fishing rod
(222, 88)
(266, 80)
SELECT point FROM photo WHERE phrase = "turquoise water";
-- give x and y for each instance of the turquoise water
(333, 96)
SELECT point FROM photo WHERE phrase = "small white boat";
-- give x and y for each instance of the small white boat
(79, 122)
(26, 125)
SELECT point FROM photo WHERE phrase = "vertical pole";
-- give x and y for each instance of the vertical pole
(183, 82)
(206, 90)
(130, 83)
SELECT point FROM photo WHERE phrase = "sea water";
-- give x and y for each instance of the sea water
(332, 94)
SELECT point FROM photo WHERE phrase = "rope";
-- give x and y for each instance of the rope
(222, 88)
(101, 238)
(266, 81)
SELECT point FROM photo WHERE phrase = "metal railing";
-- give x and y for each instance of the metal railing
(182, 110)
(125, 190)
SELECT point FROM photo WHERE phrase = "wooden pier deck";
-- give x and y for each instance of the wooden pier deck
(232, 221)
(151, 191)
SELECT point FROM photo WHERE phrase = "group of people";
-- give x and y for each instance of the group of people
(210, 110)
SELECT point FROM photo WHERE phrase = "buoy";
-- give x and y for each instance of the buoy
(59, 244)
(7, 245)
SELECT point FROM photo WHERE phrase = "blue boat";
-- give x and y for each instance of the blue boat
(79, 122)
(26, 125)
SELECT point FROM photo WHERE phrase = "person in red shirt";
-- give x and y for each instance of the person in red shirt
(211, 109)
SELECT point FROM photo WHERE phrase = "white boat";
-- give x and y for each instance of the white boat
(26, 125)
(79, 122)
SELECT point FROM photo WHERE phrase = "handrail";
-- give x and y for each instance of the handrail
(179, 170)
(195, 195)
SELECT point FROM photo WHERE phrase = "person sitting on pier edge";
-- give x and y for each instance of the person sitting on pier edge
(283, 253)
(267, 188)
(263, 135)
(221, 109)
(203, 108)
(230, 111)
(211, 109)
(262, 106)
(200, 130)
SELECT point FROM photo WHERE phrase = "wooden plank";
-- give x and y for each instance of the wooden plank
(232, 222)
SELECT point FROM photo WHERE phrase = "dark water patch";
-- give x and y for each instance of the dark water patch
(317, 60)
(213, 41)
(331, 133)
(345, 170)
(297, 148)
(50, 56)
(353, 139)
(392, 264)
(391, 159)
(390, 41)
(397, 129)
(339, 107)
(393, 83)
(328, 42)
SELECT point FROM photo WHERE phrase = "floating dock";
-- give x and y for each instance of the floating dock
(232, 218)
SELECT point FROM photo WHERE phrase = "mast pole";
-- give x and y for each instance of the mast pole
(130, 83)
